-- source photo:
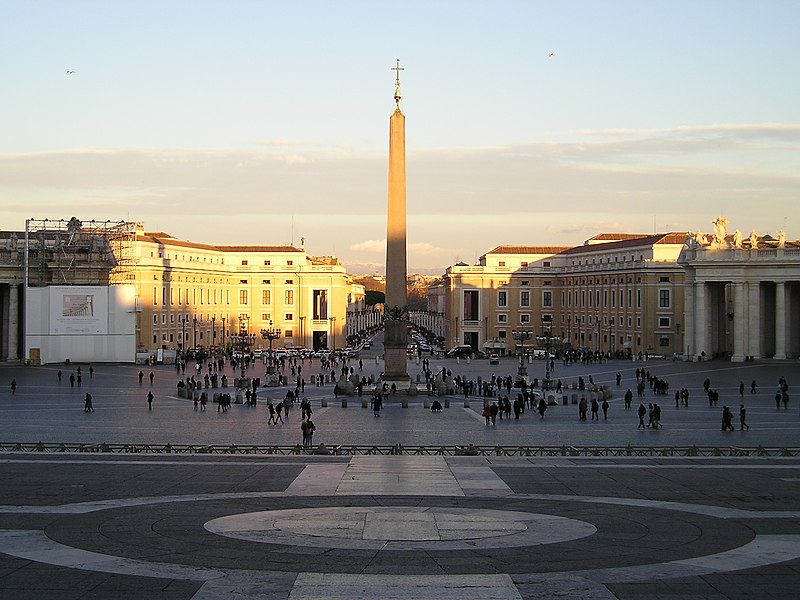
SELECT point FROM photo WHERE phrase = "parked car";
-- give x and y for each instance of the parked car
(463, 351)
(494, 359)
(653, 356)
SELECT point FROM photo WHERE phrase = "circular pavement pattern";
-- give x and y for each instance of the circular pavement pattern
(401, 528)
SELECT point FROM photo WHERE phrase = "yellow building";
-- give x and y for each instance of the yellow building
(615, 293)
(198, 295)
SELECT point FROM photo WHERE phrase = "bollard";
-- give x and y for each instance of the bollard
(344, 402)
(324, 402)
(426, 402)
(466, 402)
(447, 402)
(564, 400)
(574, 398)
(364, 403)
(405, 402)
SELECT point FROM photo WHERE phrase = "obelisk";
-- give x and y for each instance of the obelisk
(396, 305)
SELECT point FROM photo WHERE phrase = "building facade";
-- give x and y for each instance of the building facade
(185, 294)
(199, 295)
(628, 295)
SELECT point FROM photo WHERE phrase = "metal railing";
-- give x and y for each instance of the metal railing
(400, 449)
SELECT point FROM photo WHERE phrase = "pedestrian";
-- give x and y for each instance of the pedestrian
(80, 377)
(743, 418)
(753, 387)
(741, 389)
(59, 375)
(542, 407)
(72, 380)
(649, 414)
(141, 376)
(642, 412)
(727, 419)
(493, 410)
(271, 409)
(310, 429)
(91, 372)
(152, 376)
(785, 400)
(628, 399)
(619, 378)
(150, 400)
(778, 396)
(87, 403)
(595, 408)
(487, 413)
(278, 411)
(604, 406)
(13, 387)
(657, 417)
(304, 429)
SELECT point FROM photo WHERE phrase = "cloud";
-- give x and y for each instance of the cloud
(370, 246)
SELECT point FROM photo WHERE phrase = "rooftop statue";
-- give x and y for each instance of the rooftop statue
(720, 231)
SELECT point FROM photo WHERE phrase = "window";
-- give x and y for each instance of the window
(242, 297)
(546, 264)
(244, 281)
(663, 299)
(663, 279)
(525, 298)
(289, 282)
(244, 262)
(501, 263)
(502, 334)
(155, 296)
(471, 305)
(288, 333)
(288, 297)
(288, 317)
(523, 319)
(266, 317)
(265, 281)
(266, 263)
(663, 321)
(155, 319)
(663, 342)
(523, 264)
(172, 319)
(290, 262)
(547, 299)
(266, 297)
(638, 298)
(502, 298)
(525, 282)
(502, 318)
(320, 305)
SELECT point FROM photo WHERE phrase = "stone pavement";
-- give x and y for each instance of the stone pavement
(303, 527)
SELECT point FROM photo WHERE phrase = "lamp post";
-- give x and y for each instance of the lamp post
(223, 335)
(244, 339)
(183, 332)
(194, 331)
(521, 335)
(610, 336)
(333, 330)
(213, 332)
(547, 332)
(271, 333)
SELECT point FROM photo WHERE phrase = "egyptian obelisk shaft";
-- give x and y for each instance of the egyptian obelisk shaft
(396, 309)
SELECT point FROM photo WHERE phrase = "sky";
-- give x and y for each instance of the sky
(527, 122)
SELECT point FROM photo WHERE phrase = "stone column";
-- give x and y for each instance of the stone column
(395, 326)
(780, 320)
(13, 322)
(701, 321)
(689, 324)
(754, 320)
(739, 319)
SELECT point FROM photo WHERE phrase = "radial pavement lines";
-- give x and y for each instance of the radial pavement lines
(399, 476)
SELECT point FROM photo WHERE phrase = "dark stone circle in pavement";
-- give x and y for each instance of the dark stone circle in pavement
(173, 532)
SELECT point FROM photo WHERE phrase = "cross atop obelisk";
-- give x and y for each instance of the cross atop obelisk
(397, 70)
(396, 305)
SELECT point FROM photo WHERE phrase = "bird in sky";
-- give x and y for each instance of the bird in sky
(70, 72)
(551, 54)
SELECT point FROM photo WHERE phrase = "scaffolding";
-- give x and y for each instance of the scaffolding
(75, 252)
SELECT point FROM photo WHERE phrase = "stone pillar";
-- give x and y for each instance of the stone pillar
(780, 320)
(689, 318)
(13, 322)
(701, 321)
(753, 309)
(739, 320)
(395, 328)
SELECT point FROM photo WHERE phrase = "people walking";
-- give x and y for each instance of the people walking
(141, 376)
(150, 400)
(152, 376)
(87, 403)
(641, 412)
(743, 418)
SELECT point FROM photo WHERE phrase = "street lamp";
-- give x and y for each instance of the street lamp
(333, 329)
(271, 333)
(194, 331)
(611, 337)
(213, 332)
(521, 335)
(547, 332)
(244, 339)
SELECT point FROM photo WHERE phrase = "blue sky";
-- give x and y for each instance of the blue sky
(265, 122)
